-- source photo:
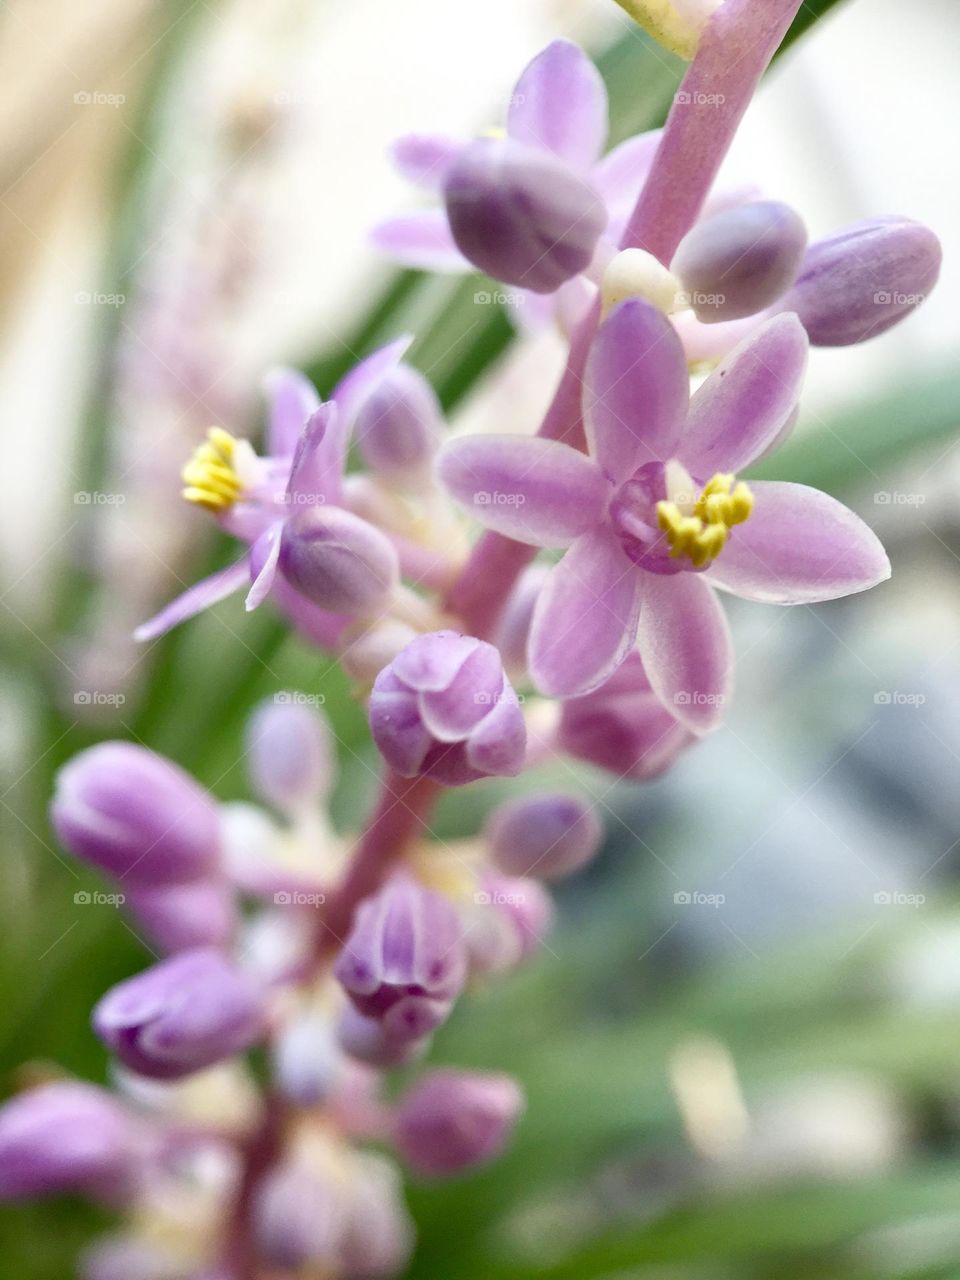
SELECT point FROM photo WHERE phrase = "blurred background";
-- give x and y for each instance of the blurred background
(742, 1045)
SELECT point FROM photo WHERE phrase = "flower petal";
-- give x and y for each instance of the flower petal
(202, 595)
(799, 546)
(292, 399)
(266, 554)
(424, 158)
(635, 391)
(536, 491)
(422, 240)
(585, 619)
(317, 470)
(560, 103)
(684, 641)
(743, 406)
(622, 172)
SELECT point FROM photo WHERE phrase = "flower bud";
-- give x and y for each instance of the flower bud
(181, 1015)
(522, 215)
(622, 726)
(65, 1137)
(179, 917)
(513, 629)
(366, 1040)
(379, 1233)
(444, 709)
(863, 280)
(136, 815)
(547, 836)
(399, 425)
(338, 561)
(403, 962)
(452, 1121)
(299, 1216)
(290, 756)
(740, 260)
(307, 1059)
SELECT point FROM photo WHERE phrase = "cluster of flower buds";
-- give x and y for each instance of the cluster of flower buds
(340, 958)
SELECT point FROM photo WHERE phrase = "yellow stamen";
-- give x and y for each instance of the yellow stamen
(724, 502)
(210, 475)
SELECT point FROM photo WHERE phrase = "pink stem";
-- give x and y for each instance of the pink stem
(735, 49)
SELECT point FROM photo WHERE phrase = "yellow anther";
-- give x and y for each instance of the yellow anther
(210, 475)
(724, 502)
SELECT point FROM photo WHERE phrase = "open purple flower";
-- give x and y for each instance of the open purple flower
(320, 564)
(655, 518)
(557, 124)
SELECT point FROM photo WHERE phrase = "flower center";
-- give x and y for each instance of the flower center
(210, 476)
(701, 534)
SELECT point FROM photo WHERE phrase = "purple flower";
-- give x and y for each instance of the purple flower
(181, 1015)
(290, 755)
(655, 518)
(622, 726)
(318, 561)
(543, 835)
(179, 917)
(66, 1137)
(445, 709)
(136, 815)
(453, 1121)
(403, 963)
(555, 133)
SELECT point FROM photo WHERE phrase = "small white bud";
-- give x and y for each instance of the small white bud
(634, 273)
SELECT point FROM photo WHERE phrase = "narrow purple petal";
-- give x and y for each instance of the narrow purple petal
(317, 471)
(585, 619)
(292, 399)
(266, 553)
(202, 595)
(560, 102)
(684, 641)
(424, 158)
(364, 378)
(743, 406)
(422, 240)
(536, 491)
(799, 546)
(636, 390)
(622, 172)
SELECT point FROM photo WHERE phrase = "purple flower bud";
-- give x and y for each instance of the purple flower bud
(307, 1059)
(65, 1137)
(366, 1040)
(522, 215)
(741, 260)
(622, 726)
(338, 561)
(290, 756)
(179, 917)
(136, 815)
(547, 836)
(299, 1216)
(444, 709)
(399, 425)
(379, 1235)
(181, 1015)
(864, 279)
(404, 962)
(526, 905)
(452, 1121)
(513, 629)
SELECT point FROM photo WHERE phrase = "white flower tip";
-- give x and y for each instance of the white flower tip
(634, 273)
(676, 24)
